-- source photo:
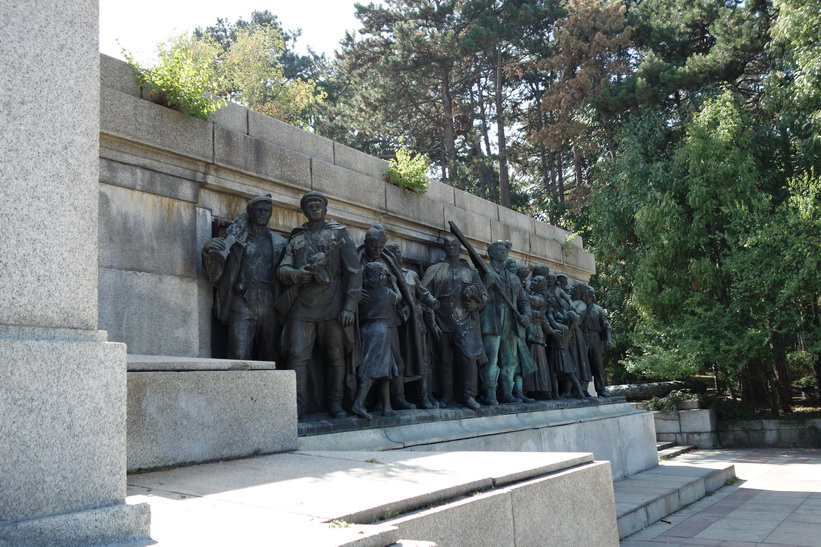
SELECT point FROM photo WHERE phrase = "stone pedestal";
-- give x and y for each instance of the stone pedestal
(189, 410)
(62, 385)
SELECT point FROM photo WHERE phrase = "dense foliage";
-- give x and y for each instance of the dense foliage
(681, 138)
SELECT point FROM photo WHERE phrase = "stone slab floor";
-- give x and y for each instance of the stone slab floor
(775, 503)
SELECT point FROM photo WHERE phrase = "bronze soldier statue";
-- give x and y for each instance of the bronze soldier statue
(242, 266)
(503, 323)
(461, 295)
(324, 282)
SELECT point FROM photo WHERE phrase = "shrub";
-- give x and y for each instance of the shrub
(183, 79)
(669, 403)
(409, 170)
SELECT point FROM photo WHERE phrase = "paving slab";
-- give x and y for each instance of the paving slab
(775, 502)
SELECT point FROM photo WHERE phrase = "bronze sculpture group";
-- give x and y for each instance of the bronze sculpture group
(359, 327)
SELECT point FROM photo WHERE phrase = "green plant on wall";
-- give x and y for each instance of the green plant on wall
(183, 78)
(409, 170)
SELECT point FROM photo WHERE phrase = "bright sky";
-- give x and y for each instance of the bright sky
(140, 26)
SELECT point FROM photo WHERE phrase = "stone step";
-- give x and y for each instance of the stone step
(673, 451)
(374, 499)
(664, 445)
(651, 495)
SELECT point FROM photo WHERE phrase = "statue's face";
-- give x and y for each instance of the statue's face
(315, 211)
(397, 252)
(260, 213)
(452, 248)
(373, 248)
(497, 253)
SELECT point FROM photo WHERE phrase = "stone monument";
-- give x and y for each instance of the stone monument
(62, 384)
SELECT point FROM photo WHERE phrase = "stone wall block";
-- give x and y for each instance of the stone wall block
(118, 75)
(62, 406)
(409, 205)
(197, 416)
(441, 192)
(350, 158)
(260, 158)
(504, 232)
(475, 204)
(146, 233)
(580, 260)
(516, 219)
(146, 180)
(475, 227)
(128, 117)
(667, 422)
(232, 116)
(637, 445)
(546, 250)
(489, 515)
(554, 232)
(153, 314)
(290, 137)
(348, 186)
(697, 421)
(568, 498)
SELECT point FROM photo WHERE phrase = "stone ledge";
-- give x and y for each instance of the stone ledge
(115, 524)
(163, 363)
(611, 431)
(319, 424)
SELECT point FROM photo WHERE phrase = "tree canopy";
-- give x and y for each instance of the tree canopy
(682, 138)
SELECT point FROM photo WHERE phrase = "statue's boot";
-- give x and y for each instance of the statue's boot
(397, 388)
(506, 395)
(490, 396)
(424, 398)
(471, 403)
(518, 391)
(358, 407)
(577, 387)
(336, 389)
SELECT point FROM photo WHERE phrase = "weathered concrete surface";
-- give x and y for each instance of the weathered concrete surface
(199, 410)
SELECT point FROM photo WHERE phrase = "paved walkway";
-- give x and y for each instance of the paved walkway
(776, 503)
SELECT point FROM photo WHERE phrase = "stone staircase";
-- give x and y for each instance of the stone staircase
(651, 495)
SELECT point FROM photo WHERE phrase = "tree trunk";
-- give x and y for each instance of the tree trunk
(560, 173)
(782, 373)
(504, 181)
(449, 132)
(577, 165)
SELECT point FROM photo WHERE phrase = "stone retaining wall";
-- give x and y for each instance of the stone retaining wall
(165, 176)
(770, 433)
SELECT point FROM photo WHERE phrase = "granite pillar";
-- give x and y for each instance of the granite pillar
(62, 385)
